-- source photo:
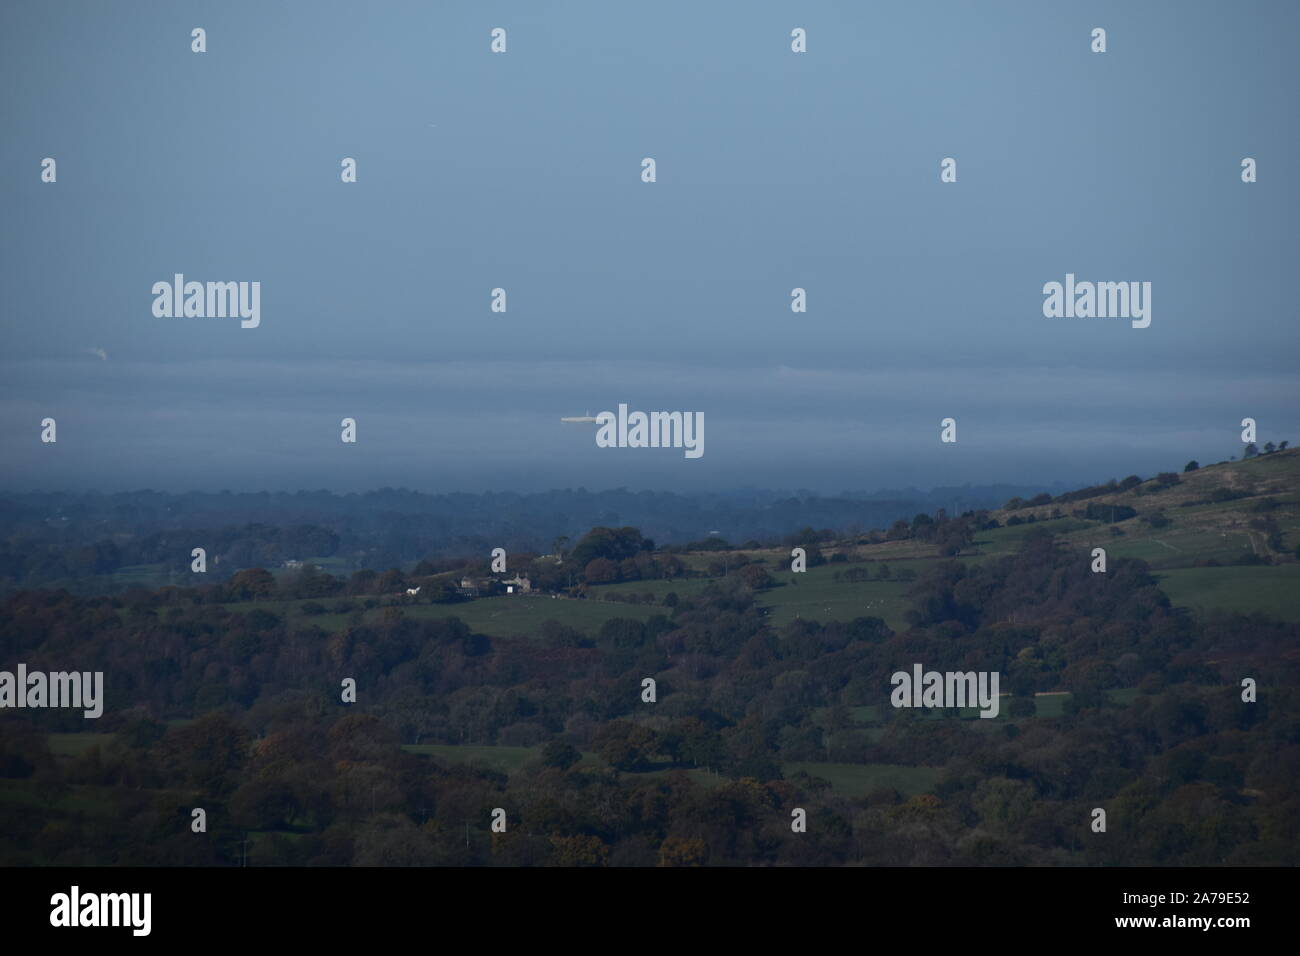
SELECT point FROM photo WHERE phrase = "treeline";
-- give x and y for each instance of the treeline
(78, 540)
(1189, 773)
(30, 560)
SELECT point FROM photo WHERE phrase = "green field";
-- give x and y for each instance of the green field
(682, 587)
(1280, 466)
(145, 576)
(1180, 548)
(1008, 540)
(1274, 590)
(815, 595)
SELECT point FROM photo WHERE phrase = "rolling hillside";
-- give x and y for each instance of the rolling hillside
(1223, 536)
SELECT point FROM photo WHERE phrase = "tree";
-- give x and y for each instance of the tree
(600, 571)
(312, 582)
(363, 581)
(581, 850)
(614, 544)
(952, 537)
(252, 583)
(1269, 448)
(560, 754)
(207, 754)
(1023, 706)
(263, 802)
(1003, 803)
(677, 851)
(627, 746)
(1191, 466)
(1250, 452)
(1156, 519)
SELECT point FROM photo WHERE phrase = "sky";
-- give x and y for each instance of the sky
(522, 170)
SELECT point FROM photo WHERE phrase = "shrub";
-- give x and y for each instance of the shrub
(1022, 707)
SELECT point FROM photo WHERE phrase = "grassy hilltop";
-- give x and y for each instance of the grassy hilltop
(1223, 536)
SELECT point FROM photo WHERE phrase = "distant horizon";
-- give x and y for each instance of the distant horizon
(867, 493)
(825, 491)
(802, 271)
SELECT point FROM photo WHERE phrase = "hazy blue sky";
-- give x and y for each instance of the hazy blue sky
(522, 170)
